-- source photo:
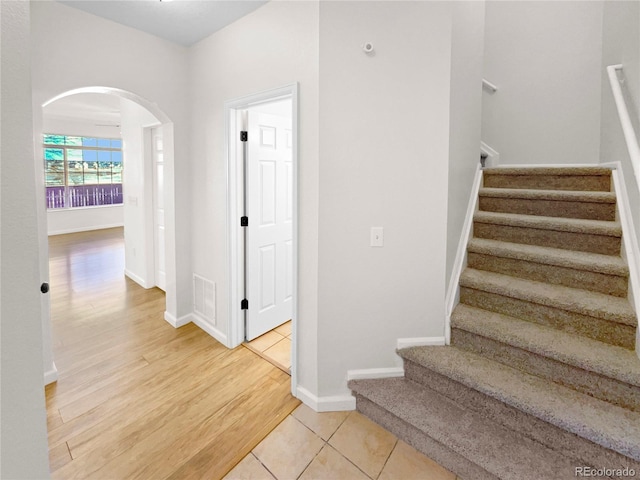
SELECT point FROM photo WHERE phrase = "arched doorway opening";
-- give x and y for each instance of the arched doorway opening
(147, 193)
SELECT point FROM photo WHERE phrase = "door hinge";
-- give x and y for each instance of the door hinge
(244, 221)
(244, 136)
(244, 304)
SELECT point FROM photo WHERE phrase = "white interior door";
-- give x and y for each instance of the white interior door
(158, 207)
(270, 231)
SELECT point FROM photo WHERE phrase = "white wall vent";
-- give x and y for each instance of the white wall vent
(204, 298)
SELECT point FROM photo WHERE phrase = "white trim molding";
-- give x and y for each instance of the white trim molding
(493, 157)
(551, 165)
(210, 329)
(420, 342)
(460, 262)
(51, 375)
(631, 251)
(84, 229)
(138, 279)
(375, 373)
(177, 322)
(335, 403)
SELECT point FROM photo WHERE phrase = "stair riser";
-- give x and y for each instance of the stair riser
(422, 442)
(596, 385)
(584, 183)
(583, 451)
(592, 327)
(569, 277)
(549, 208)
(582, 242)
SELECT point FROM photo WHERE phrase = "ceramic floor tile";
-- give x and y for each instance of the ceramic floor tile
(330, 465)
(324, 424)
(364, 443)
(288, 449)
(280, 352)
(284, 329)
(265, 341)
(249, 468)
(407, 463)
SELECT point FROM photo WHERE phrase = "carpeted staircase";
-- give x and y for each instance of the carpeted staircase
(541, 377)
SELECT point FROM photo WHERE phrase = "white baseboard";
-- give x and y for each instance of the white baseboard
(420, 342)
(51, 375)
(460, 262)
(611, 165)
(375, 373)
(139, 280)
(336, 403)
(84, 229)
(177, 322)
(629, 242)
(210, 329)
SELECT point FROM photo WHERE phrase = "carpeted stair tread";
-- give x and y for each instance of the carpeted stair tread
(596, 420)
(543, 178)
(593, 262)
(556, 171)
(594, 304)
(556, 195)
(574, 225)
(467, 433)
(582, 352)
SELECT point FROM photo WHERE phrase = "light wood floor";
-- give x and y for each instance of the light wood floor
(136, 398)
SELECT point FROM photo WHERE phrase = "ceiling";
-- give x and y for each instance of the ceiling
(184, 22)
(96, 108)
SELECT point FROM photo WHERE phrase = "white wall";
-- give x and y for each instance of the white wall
(273, 46)
(384, 149)
(621, 45)
(138, 193)
(545, 58)
(66, 126)
(120, 57)
(467, 54)
(61, 221)
(23, 437)
(81, 219)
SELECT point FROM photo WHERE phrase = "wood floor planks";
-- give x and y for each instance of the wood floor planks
(214, 458)
(137, 398)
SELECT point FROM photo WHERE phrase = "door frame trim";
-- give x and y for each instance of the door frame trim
(232, 120)
(151, 174)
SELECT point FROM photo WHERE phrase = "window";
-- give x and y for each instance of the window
(82, 171)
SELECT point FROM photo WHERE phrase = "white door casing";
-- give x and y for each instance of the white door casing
(270, 231)
(158, 208)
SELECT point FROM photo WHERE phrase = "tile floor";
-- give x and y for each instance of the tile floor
(275, 346)
(334, 446)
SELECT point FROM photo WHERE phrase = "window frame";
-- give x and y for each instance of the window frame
(65, 161)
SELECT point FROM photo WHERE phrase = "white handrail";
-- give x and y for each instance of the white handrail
(625, 120)
(490, 86)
